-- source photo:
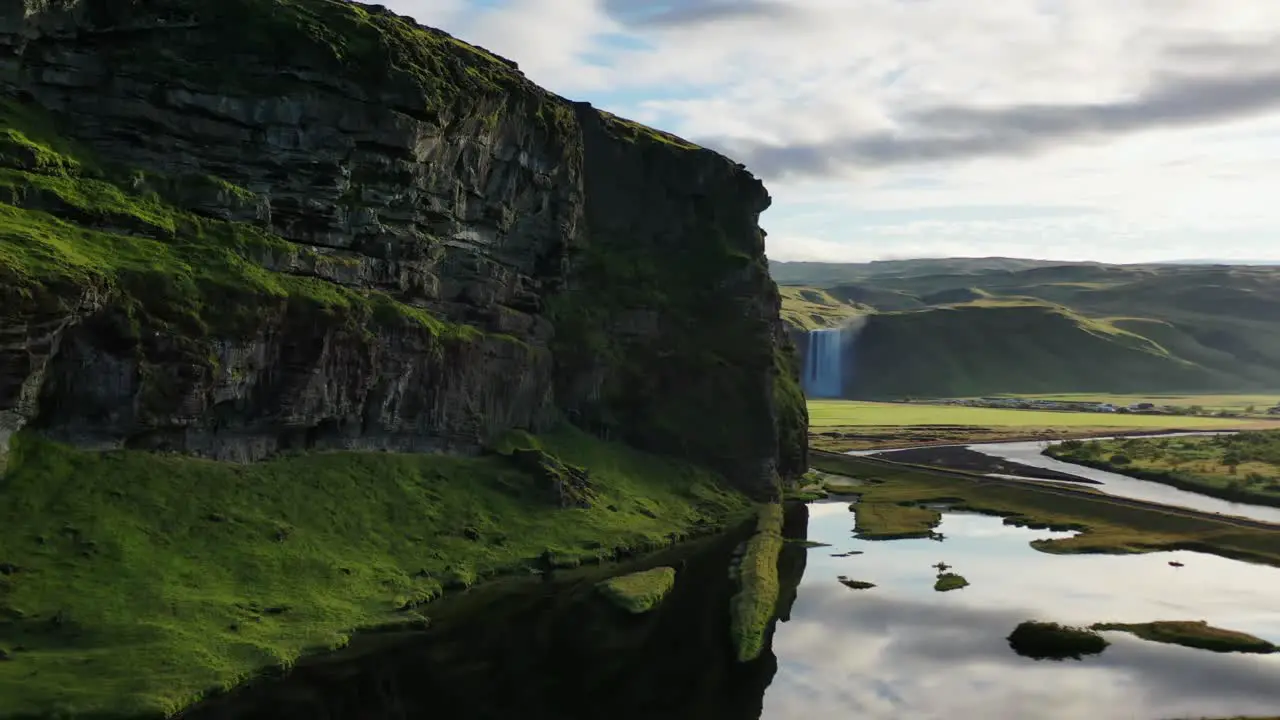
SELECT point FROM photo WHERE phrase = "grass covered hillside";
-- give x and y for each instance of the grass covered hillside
(134, 583)
(810, 309)
(986, 326)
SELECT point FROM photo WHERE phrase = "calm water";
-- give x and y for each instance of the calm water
(902, 650)
(1029, 453)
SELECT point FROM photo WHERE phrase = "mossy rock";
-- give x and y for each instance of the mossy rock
(570, 485)
(1051, 641)
(755, 603)
(641, 591)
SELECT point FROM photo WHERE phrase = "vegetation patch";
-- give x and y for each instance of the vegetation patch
(1243, 467)
(812, 309)
(806, 543)
(893, 521)
(1051, 641)
(856, 413)
(146, 580)
(1193, 634)
(1103, 524)
(641, 591)
(949, 581)
(754, 604)
(855, 584)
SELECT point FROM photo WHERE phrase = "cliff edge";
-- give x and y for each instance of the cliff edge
(230, 228)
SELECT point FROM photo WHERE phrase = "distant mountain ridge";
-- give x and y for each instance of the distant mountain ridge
(968, 326)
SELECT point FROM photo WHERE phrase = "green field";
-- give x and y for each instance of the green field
(838, 413)
(1214, 403)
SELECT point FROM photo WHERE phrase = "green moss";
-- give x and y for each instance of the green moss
(949, 581)
(791, 411)
(639, 592)
(1193, 634)
(754, 604)
(146, 580)
(632, 131)
(66, 223)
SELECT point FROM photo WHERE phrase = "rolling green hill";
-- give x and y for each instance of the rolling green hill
(945, 328)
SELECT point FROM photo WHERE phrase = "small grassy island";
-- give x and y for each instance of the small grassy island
(1193, 634)
(950, 581)
(639, 592)
(1051, 641)
(855, 584)
(894, 521)
(1243, 467)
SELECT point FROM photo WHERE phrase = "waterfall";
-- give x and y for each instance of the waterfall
(823, 363)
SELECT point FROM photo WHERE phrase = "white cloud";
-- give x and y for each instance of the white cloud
(830, 69)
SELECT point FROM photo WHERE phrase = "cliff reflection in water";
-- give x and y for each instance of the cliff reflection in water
(550, 649)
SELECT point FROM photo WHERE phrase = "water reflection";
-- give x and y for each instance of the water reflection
(549, 649)
(902, 650)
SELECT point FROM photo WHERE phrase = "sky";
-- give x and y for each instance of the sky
(1111, 130)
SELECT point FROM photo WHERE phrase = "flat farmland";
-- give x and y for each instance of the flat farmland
(855, 413)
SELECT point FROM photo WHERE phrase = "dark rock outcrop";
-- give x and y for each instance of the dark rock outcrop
(383, 238)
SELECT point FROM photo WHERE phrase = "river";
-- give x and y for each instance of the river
(1031, 453)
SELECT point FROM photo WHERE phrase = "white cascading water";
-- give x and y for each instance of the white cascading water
(823, 368)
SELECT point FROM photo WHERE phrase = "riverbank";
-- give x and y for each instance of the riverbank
(854, 438)
(1231, 469)
(958, 457)
(1106, 524)
(136, 583)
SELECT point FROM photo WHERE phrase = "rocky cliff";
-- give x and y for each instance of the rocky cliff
(234, 227)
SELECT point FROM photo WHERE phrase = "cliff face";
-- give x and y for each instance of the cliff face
(232, 227)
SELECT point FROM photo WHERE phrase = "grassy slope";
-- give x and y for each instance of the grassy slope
(810, 308)
(145, 580)
(837, 413)
(1010, 346)
(1080, 328)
